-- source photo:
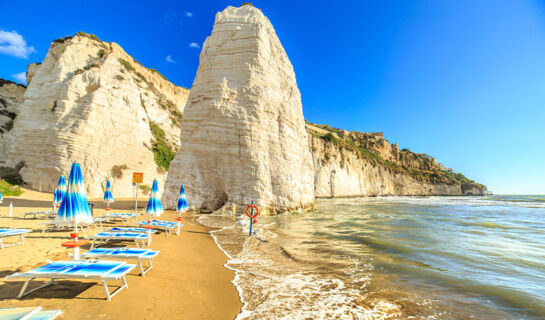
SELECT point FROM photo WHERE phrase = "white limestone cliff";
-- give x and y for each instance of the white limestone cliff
(341, 169)
(90, 102)
(243, 133)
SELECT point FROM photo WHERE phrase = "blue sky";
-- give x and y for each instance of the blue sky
(461, 80)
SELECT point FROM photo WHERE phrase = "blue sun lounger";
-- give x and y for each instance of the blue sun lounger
(166, 226)
(125, 253)
(28, 313)
(4, 233)
(130, 229)
(77, 269)
(139, 239)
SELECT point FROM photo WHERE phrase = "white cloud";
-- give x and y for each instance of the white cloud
(189, 14)
(13, 44)
(169, 59)
(194, 45)
(20, 77)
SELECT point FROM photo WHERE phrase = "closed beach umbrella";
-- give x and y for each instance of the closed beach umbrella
(182, 201)
(181, 207)
(108, 196)
(1, 198)
(154, 208)
(74, 207)
(60, 191)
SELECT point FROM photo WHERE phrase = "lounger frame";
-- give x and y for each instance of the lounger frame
(29, 276)
(20, 233)
(140, 240)
(145, 255)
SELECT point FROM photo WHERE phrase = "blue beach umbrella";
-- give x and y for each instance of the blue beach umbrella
(108, 196)
(181, 207)
(1, 198)
(74, 207)
(182, 201)
(154, 208)
(60, 191)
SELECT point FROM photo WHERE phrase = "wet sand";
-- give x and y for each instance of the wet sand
(188, 280)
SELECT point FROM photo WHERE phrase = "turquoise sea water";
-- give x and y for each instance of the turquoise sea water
(393, 258)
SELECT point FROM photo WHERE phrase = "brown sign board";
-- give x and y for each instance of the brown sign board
(137, 177)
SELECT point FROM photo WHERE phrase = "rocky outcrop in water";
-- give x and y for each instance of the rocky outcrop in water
(350, 164)
(90, 102)
(243, 134)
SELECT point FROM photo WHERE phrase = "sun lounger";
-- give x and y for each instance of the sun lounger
(53, 225)
(130, 229)
(121, 216)
(28, 313)
(139, 239)
(166, 226)
(124, 253)
(47, 214)
(77, 269)
(4, 233)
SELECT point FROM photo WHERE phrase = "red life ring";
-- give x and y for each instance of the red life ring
(248, 211)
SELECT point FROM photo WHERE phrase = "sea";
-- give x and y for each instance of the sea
(391, 258)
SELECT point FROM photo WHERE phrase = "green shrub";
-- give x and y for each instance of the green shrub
(159, 73)
(117, 171)
(145, 188)
(329, 137)
(9, 189)
(126, 64)
(162, 152)
(88, 35)
(100, 53)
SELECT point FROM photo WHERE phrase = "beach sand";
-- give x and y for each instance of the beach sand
(188, 280)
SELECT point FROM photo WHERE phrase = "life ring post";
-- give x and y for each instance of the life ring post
(251, 215)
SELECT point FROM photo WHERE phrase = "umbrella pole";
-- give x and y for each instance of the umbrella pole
(76, 248)
(179, 222)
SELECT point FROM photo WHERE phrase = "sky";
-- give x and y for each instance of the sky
(461, 80)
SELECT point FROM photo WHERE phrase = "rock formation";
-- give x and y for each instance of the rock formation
(11, 97)
(350, 164)
(243, 133)
(91, 102)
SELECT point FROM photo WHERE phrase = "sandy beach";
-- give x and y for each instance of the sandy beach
(188, 280)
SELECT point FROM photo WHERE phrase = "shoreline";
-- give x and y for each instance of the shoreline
(188, 281)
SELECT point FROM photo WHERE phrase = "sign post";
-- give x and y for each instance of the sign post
(137, 178)
(251, 215)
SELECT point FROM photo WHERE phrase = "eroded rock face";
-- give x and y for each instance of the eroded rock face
(11, 97)
(243, 134)
(91, 102)
(341, 172)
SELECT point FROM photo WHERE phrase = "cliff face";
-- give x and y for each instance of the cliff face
(243, 133)
(91, 102)
(349, 164)
(11, 97)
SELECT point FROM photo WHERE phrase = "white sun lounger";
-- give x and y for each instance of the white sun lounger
(47, 214)
(4, 233)
(166, 226)
(125, 253)
(77, 269)
(53, 225)
(124, 217)
(28, 313)
(139, 239)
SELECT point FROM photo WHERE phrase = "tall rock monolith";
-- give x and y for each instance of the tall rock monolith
(243, 133)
